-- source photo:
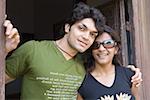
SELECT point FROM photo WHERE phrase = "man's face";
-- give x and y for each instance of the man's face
(81, 35)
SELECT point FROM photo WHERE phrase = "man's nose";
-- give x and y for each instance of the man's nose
(86, 35)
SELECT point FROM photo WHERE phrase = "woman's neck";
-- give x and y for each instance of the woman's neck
(104, 74)
(104, 69)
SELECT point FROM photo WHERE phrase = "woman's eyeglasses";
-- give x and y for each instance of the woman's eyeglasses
(106, 44)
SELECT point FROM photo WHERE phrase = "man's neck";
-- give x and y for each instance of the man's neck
(65, 49)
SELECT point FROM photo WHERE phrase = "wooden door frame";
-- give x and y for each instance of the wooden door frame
(123, 33)
(119, 26)
(141, 20)
(2, 56)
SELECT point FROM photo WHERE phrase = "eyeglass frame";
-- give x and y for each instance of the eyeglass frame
(103, 43)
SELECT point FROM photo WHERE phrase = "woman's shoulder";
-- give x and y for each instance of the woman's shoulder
(125, 71)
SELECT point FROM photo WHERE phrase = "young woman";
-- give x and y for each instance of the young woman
(106, 79)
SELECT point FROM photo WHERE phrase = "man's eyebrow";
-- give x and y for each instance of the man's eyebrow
(96, 32)
(87, 27)
(84, 25)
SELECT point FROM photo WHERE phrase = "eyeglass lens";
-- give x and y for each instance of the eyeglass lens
(107, 44)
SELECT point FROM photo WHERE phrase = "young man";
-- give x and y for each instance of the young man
(51, 69)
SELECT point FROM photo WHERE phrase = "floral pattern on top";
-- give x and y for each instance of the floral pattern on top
(121, 96)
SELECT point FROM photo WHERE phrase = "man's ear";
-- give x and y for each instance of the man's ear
(67, 28)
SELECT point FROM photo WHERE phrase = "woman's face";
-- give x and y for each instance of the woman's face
(104, 49)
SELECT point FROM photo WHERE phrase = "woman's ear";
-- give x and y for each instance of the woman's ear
(117, 50)
(67, 28)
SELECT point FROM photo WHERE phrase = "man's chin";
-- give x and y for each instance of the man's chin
(82, 50)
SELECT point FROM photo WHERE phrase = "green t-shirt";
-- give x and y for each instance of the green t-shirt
(47, 75)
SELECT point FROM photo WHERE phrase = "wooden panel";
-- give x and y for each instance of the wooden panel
(2, 59)
(123, 34)
(111, 12)
(97, 2)
(142, 40)
(114, 12)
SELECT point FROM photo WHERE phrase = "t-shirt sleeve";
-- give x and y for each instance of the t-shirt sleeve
(129, 73)
(81, 89)
(18, 63)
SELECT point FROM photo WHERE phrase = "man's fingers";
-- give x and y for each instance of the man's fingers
(12, 36)
(6, 22)
(138, 74)
(8, 26)
(12, 43)
(14, 33)
(5, 16)
(137, 83)
(137, 78)
(132, 67)
(17, 38)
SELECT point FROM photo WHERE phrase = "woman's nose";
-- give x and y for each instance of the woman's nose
(101, 47)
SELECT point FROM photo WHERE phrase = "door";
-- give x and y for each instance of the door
(2, 58)
(114, 11)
